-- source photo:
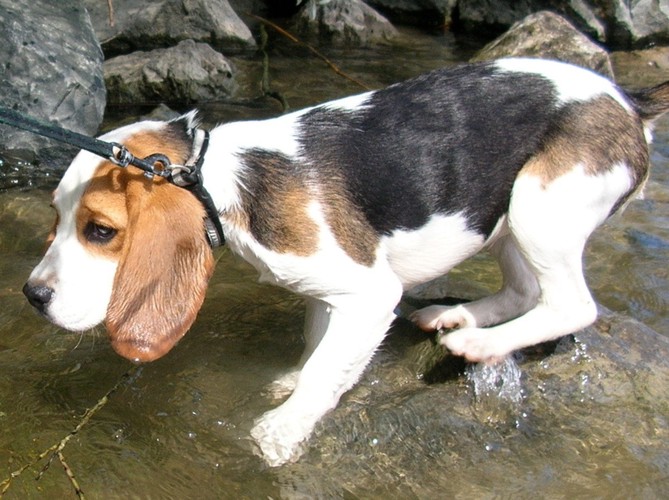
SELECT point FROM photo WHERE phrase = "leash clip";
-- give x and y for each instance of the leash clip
(188, 176)
(120, 155)
(155, 164)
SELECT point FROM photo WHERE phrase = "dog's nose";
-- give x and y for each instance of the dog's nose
(38, 296)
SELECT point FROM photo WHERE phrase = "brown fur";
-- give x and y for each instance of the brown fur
(584, 135)
(275, 199)
(350, 228)
(274, 207)
(651, 102)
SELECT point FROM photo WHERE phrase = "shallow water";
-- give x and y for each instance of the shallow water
(179, 427)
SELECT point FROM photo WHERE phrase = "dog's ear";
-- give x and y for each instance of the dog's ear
(185, 124)
(163, 272)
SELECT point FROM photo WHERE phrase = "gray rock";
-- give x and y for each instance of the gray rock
(149, 24)
(548, 35)
(343, 22)
(52, 74)
(188, 73)
(618, 23)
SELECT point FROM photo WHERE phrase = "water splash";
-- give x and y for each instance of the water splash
(501, 380)
(498, 392)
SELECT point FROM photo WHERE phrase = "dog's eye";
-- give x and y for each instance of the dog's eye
(97, 233)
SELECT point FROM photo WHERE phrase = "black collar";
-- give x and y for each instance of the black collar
(189, 176)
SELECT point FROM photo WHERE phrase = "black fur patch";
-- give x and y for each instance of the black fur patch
(449, 141)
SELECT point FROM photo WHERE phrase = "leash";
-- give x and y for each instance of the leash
(188, 176)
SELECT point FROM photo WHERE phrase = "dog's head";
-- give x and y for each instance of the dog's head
(125, 249)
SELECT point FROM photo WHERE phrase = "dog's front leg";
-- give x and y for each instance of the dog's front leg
(357, 324)
(316, 322)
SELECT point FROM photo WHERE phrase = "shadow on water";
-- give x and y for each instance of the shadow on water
(584, 416)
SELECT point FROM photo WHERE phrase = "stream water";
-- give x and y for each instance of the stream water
(179, 427)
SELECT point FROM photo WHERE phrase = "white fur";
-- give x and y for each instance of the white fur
(79, 302)
(349, 103)
(349, 311)
(418, 256)
(572, 83)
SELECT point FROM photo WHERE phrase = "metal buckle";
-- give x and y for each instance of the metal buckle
(120, 155)
(152, 165)
(155, 164)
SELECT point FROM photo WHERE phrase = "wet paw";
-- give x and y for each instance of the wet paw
(475, 345)
(442, 317)
(279, 439)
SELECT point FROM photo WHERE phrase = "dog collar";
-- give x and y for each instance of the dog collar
(189, 177)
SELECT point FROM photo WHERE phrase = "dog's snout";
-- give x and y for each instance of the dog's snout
(38, 295)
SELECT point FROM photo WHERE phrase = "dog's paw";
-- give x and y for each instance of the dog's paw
(280, 439)
(438, 317)
(283, 386)
(474, 344)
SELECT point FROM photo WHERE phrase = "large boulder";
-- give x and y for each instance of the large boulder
(148, 24)
(52, 71)
(619, 24)
(343, 22)
(188, 73)
(548, 35)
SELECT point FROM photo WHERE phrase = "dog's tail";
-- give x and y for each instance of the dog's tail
(651, 102)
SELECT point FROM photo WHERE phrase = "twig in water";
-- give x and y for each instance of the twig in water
(56, 449)
(70, 476)
(313, 50)
(110, 6)
(264, 81)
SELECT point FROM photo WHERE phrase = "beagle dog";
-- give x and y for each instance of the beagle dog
(349, 204)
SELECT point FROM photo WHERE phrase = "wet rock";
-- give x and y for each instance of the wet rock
(343, 22)
(149, 24)
(641, 68)
(548, 35)
(600, 391)
(618, 23)
(53, 74)
(188, 73)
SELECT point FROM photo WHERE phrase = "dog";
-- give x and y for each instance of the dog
(349, 204)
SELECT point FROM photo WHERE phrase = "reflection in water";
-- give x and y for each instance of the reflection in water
(574, 423)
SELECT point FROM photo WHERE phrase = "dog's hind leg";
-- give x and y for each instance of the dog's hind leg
(519, 293)
(550, 224)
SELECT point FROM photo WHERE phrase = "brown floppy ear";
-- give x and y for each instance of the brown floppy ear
(163, 272)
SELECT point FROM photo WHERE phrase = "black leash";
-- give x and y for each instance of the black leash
(19, 120)
(187, 176)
